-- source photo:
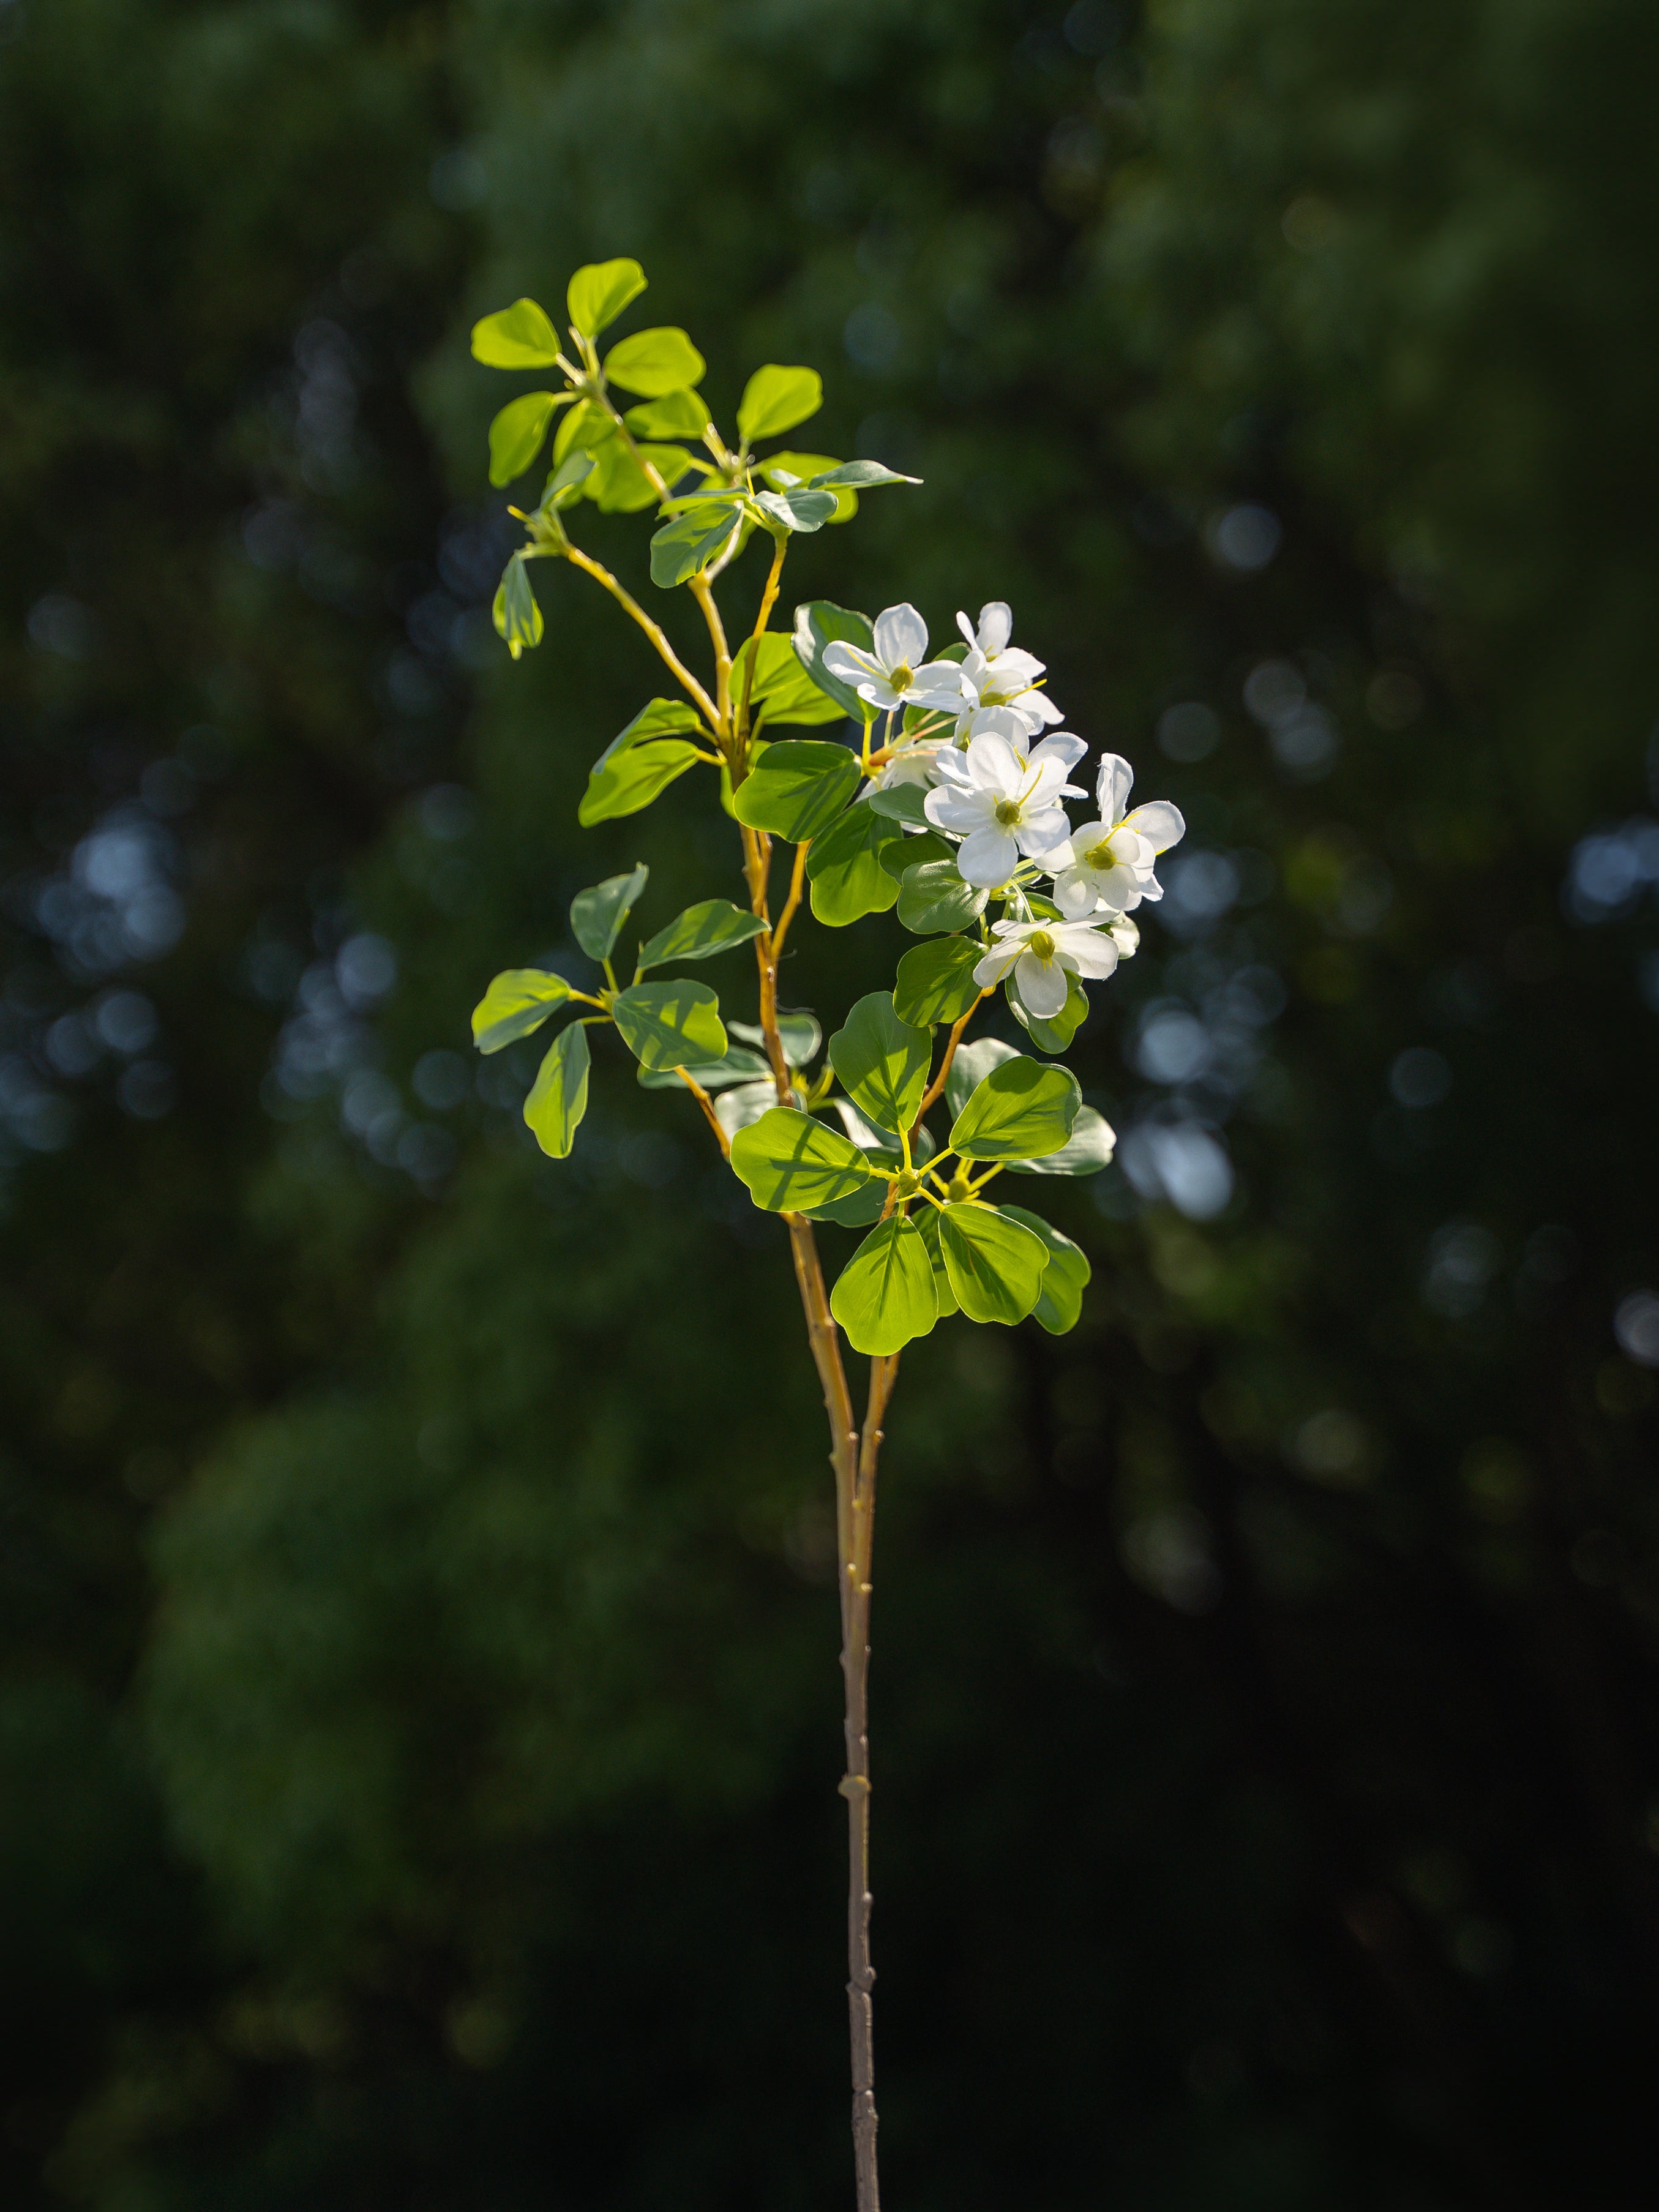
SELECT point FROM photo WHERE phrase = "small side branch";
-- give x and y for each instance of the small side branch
(654, 631)
(708, 1112)
(935, 1089)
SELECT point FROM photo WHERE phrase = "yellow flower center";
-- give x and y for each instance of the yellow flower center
(1041, 943)
(900, 677)
(1100, 856)
(1007, 813)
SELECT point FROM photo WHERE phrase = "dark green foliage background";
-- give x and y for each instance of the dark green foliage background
(418, 1713)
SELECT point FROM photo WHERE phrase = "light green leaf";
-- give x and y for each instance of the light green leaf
(1060, 1301)
(780, 470)
(516, 434)
(518, 336)
(798, 509)
(600, 291)
(564, 487)
(881, 1062)
(845, 871)
(558, 1096)
(632, 780)
(690, 541)
(1020, 1111)
(653, 362)
(790, 1162)
(916, 853)
(859, 475)
(585, 428)
(799, 1034)
(775, 400)
(676, 415)
(972, 1064)
(927, 1221)
(995, 1265)
(857, 1212)
(744, 1103)
(670, 1024)
(882, 1144)
(596, 916)
(936, 982)
(1085, 1152)
(799, 788)
(885, 1295)
(902, 802)
(737, 1066)
(519, 1000)
(782, 685)
(662, 718)
(716, 925)
(1051, 1036)
(934, 898)
(518, 617)
(820, 623)
(619, 484)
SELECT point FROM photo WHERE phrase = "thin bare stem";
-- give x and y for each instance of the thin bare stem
(769, 600)
(936, 1088)
(702, 592)
(626, 600)
(797, 885)
(708, 1112)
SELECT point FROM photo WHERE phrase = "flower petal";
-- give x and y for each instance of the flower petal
(988, 857)
(1039, 834)
(900, 636)
(995, 766)
(850, 662)
(1113, 785)
(995, 964)
(1075, 894)
(948, 806)
(1062, 746)
(1159, 823)
(996, 627)
(1043, 985)
(1090, 950)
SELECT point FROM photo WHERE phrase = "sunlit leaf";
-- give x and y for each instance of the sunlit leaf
(596, 916)
(902, 802)
(790, 1161)
(600, 291)
(518, 336)
(587, 427)
(914, 852)
(799, 1034)
(818, 624)
(968, 1069)
(885, 1295)
(798, 508)
(782, 685)
(799, 788)
(1050, 1036)
(631, 782)
(516, 434)
(927, 1220)
(670, 1024)
(1021, 1111)
(653, 362)
(736, 1065)
(715, 926)
(859, 475)
(775, 400)
(519, 1000)
(558, 1096)
(779, 471)
(882, 1061)
(936, 982)
(1060, 1301)
(1085, 1152)
(676, 415)
(934, 898)
(845, 871)
(690, 541)
(518, 617)
(995, 1265)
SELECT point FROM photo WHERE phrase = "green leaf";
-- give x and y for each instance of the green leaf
(859, 475)
(516, 434)
(885, 1295)
(882, 1144)
(782, 685)
(800, 508)
(780, 470)
(1020, 1111)
(934, 898)
(744, 1103)
(519, 1000)
(845, 871)
(790, 1162)
(995, 1265)
(902, 802)
(564, 487)
(737, 1066)
(619, 484)
(690, 541)
(1051, 1037)
(676, 415)
(798, 789)
(716, 925)
(586, 428)
(1085, 1152)
(600, 291)
(972, 1064)
(936, 982)
(518, 617)
(857, 1212)
(882, 1061)
(662, 718)
(799, 1034)
(670, 1024)
(775, 400)
(558, 1096)
(625, 784)
(927, 1230)
(653, 362)
(596, 916)
(820, 623)
(1060, 1299)
(916, 853)
(518, 336)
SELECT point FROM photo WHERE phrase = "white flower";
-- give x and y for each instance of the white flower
(997, 674)
(897, 672)
(1044, 955)
(1001, 804)
(1110, 862)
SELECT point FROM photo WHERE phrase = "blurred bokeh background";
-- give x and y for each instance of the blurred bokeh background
(418, 1708)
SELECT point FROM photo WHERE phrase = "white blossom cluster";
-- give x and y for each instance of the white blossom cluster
(995, 771)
